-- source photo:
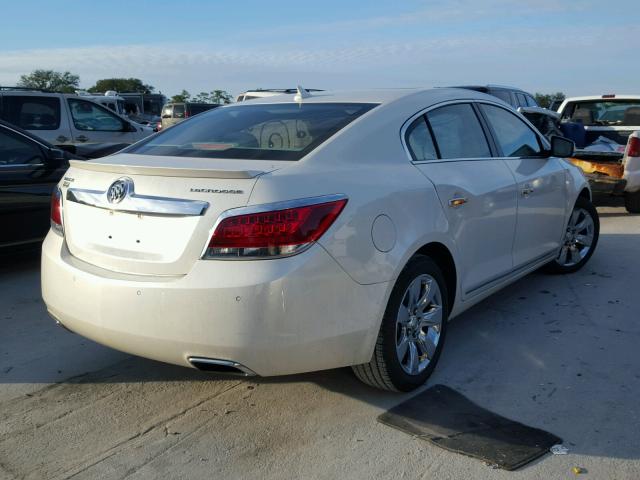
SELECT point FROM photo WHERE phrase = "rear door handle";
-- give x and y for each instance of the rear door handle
(456, 202)
(82, 138)
(61, 138)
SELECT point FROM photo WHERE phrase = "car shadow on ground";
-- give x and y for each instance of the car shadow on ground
(554, 352)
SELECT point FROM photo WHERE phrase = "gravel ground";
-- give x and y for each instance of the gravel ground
(554, 352)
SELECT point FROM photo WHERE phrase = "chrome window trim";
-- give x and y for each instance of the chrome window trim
(10, 165)
(26, 136)
(471, 101)
(134, 203)
(268, 207)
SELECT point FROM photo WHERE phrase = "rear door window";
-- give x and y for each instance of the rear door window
(514, 137)
(32, 112)
(503, 95)
(18, 150)
(531, 101)
(419, 141)
(275, 131)
(458, 133)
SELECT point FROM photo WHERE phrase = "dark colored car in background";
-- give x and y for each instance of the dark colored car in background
(511, 95)
(30, 168)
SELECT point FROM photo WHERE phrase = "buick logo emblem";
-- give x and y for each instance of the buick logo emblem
(119, 189)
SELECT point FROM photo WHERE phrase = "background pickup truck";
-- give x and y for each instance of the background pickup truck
(606, 131)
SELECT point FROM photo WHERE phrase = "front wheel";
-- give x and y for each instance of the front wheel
(412, 331)
(580, 239)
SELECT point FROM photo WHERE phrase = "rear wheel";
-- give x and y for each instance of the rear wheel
(580, 239)
(632, 201)
(412, 331)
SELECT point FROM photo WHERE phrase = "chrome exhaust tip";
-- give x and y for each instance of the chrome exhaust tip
(220, 366)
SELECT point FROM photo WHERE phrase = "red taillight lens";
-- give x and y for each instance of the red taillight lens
(633, 150)
(56, 210)
(273, 233)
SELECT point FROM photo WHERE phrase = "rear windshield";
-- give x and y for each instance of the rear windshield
(281, 131)
(604, 112)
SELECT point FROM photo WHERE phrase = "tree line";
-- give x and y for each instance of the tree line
(67, 82)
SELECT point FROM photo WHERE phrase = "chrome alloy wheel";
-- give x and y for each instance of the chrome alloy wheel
(578, 238)
(418, 324)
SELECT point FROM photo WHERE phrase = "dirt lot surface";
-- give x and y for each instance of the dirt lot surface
(555, 352)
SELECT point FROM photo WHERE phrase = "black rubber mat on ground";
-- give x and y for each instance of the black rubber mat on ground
(451, 421)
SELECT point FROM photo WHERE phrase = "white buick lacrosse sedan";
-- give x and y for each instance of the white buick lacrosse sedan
(307, 232)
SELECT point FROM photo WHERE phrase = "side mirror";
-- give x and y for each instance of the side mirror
(58, 153)
(561, 147)
(128, 127)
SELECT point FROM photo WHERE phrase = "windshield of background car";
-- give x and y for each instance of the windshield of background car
(153, 105)
(605, 112)
(279, 131)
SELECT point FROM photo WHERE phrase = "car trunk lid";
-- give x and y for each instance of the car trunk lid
(161, 211)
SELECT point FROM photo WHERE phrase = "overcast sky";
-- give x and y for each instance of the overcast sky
(579, 47)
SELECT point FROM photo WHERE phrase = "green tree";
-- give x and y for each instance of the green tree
(181, 97)
(215, 96)
(545, 99)
(62, 82)
(122, 85)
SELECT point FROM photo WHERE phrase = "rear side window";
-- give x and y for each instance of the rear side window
(503, 95)
(531, 101)
(514, 137)
(420, 142)
(17, 150)
(458, 133)
(522, 102)
(32, 112)
(277, 131)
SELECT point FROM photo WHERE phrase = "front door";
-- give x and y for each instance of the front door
(478, 193)
(541, 186)
(92, 123)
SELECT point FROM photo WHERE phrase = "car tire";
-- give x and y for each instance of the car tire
(580, 241)
(632, 201)
(413, 329)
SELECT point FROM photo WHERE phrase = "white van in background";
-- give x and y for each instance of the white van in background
(67, 119)
(109, 99)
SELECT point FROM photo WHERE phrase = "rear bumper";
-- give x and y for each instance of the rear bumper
(274, 317)
(604, 185)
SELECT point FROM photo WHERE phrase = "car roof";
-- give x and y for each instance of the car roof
(485, 88)
(602, 98)
(378, 96)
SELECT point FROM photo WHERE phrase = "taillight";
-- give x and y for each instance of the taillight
(264, 232)
(633, 149)
(56, 211)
